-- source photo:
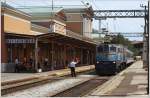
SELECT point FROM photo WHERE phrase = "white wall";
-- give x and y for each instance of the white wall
(87, 27)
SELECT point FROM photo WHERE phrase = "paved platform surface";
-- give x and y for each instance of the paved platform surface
(6, 77)
(130, 82)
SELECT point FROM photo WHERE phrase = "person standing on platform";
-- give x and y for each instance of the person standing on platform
(46, 61)
(24, 63)
(30, 61)
(16, 65)
(72, 66)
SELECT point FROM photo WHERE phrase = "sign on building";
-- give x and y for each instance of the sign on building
(19, 41)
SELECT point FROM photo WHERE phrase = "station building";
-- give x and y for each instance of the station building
(39, 33)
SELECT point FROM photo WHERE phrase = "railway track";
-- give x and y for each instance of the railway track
(10, 87)
(83, 88)
(21, 85)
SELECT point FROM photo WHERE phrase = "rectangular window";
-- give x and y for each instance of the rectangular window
(106, 48)
(100, 49)
(112, 49)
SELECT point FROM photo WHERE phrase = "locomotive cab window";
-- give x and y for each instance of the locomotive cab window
(112, 49)
(100, 49)
(106, 48)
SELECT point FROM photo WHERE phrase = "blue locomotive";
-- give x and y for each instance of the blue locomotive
(112, 58)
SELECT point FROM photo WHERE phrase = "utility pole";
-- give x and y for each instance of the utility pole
(52, 4)
(146, 39)
(148, 44)
(51, 29)
(99, 28)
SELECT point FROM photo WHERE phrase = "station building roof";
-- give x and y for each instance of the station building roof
(21, 22)
(31, 11)
(41, 11)
(7, 9)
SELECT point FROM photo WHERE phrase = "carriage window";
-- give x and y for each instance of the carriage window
(113, 49)
(100, 49)
(106, 48)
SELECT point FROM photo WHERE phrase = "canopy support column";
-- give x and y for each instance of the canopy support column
(36, 54)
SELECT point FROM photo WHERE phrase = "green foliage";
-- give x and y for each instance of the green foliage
(95, 31)
(119, 39)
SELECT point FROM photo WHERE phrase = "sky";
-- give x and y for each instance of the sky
(114, 25)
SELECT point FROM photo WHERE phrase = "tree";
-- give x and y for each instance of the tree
(95, 31)
(119, 39)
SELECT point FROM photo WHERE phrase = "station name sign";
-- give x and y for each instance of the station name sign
(19, 41)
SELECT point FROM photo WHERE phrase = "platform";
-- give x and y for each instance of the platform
(130, 82)
(10, 77)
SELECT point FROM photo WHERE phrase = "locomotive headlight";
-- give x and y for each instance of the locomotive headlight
(114, 62)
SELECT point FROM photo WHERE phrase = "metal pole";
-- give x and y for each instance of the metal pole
(51, 18)
(148, 45)
(145, 39)
(52, 54)
(81, 56)
(36, 54)
(65, 58)
(146, 62)
(99, 27)
(52, 4)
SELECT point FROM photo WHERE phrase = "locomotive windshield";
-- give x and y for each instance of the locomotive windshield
(106, 48)
(112, 49)
(106, 53)
(100, 49)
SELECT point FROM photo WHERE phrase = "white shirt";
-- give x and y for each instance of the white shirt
(46, 59)
(72, 64)
(16, 61)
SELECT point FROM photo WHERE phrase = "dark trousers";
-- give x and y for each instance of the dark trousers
(73, 73)
(16, 68)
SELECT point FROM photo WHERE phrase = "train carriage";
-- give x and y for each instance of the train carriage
(112, 58)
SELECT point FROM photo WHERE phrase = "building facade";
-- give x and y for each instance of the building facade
(80, 20)
(34, 37)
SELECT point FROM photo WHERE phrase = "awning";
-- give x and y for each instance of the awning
(65, 39)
